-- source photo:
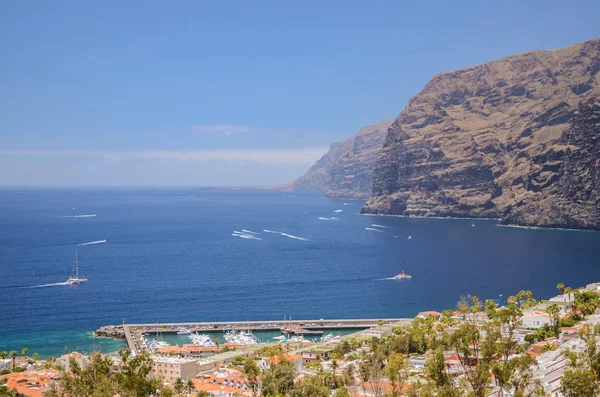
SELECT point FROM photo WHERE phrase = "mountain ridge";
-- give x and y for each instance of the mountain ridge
(466, 145)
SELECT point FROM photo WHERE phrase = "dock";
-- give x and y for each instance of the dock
(297, 327)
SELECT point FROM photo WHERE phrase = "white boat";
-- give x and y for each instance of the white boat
(402, 275)
(246, 338)
(201, 340)
(75, 278)
(183, 331)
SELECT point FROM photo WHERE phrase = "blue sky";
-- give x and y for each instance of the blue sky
(232, 93)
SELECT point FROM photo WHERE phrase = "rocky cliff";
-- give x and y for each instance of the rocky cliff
(346, 170)
(502, 139)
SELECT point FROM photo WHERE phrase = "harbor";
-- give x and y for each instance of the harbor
(134, 334)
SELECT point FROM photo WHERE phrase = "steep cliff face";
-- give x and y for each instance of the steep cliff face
(346, 170)
(564, 181)
(468, 144)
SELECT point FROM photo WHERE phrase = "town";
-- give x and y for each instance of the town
(523, 347)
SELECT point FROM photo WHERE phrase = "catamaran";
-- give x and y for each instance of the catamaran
(403, 275)
(75, 279)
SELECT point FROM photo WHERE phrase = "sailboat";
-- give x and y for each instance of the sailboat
(403, 275)
(75, 278)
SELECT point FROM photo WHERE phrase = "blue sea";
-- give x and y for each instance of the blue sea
(208, 255)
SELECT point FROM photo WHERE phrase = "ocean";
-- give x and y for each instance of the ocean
(157, 255)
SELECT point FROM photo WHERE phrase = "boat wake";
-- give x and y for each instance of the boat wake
(337, 211)
(374, 230)
(381, 226)
(92, 243)
(388, 278)
(285, 235)
(249, 236)
(79, 216)
(46, 285)
(322, 218)
(249, 231)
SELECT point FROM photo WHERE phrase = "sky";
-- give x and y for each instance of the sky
(232, 93)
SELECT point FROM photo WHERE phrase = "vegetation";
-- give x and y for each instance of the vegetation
(99, 380)
(481, 345)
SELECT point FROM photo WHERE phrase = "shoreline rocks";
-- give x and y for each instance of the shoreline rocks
(110, 331)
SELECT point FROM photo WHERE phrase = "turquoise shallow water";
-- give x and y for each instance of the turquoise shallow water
(177, 255)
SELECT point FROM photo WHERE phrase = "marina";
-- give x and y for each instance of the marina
(241, 333)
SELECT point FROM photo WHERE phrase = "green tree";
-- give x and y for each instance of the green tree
(371, 369)
(310, 386)
(166, 392)
(578, 383)
(5, 391)
(178, 385)
(94, 380)
(586, 302)
(252, 373)
(13, 354)
(342, 392)
(396, 372)
(3, 355)
(279, 379)
(554, 312)
(334, 367)
(189, 386)
(475, 356)
(436, 370)
(35, 356)
(561, 288)
(132, 379)
(24, 351)
(468, 306)
(204, 394)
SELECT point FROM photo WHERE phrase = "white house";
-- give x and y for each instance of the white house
(536, 320)
(5, 364)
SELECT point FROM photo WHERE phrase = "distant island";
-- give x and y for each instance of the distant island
(516, 139)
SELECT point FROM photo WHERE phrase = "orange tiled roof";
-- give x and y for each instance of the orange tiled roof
(209, 386)
(31, 383)
(430, 313)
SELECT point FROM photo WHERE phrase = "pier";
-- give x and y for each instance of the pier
(298, 327)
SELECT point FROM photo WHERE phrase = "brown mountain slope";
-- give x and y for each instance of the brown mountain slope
(470, 143)
(346, 170)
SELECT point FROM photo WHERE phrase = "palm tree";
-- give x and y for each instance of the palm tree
(334, 367)
(35, 356)
(24, 351)
(380, 323)
(3, 355)
(189, 385)
(13, 354)
(178, 385)
(569, 291)
(561, 288)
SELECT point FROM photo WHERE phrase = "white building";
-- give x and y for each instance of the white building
(5, 364)
(377, 332)
(536, 320)
(168, 369)
(65, 360)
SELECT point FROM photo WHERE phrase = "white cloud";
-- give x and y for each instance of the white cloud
(283, 156)
(225, 129)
